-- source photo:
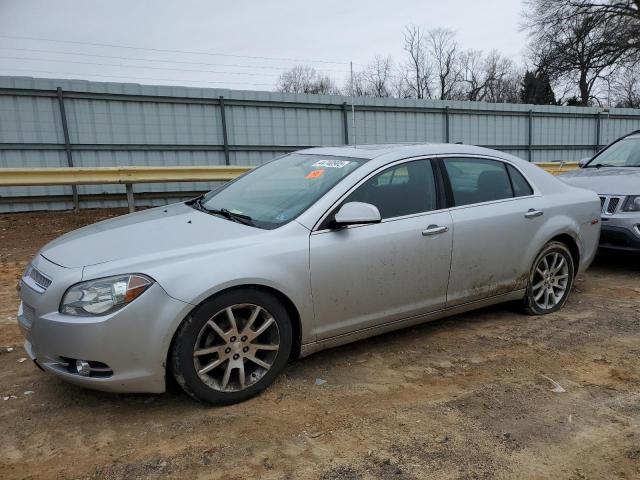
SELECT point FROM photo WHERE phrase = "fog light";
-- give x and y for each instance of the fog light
(83, 368)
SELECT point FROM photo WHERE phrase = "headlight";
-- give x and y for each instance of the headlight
(632, 204)
(104, 295)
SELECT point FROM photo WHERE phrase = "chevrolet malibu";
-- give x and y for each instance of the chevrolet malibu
(314, 249)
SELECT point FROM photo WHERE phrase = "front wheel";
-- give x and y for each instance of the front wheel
(232, 347)
(550, 280)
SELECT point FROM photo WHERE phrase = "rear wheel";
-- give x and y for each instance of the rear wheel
(232, 347)
(550, 280)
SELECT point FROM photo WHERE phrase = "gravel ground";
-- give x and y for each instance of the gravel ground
(467, 397)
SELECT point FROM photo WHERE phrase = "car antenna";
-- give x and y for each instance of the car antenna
(353, 109)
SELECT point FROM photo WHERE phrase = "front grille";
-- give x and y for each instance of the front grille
(33, 276)
(613, 205)
(610, 205)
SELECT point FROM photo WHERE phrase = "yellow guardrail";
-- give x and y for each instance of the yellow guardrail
(558, 167)
(13, 177)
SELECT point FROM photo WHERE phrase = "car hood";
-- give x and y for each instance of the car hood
(605, 180)
(156, 231)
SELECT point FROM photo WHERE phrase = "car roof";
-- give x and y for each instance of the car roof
(402, 150)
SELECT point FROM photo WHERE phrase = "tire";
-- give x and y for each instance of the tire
(548, 294)
(239, 359)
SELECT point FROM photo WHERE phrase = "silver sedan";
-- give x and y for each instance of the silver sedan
(314, 249)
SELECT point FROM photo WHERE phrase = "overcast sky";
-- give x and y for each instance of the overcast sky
(228, 36)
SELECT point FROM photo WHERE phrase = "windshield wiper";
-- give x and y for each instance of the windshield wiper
(600, 165)
(228, 214)
(236, 217)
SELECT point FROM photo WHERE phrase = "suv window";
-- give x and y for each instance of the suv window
(521, 187)
(403, 190)
(477, 180)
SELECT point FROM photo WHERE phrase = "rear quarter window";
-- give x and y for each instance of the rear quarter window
(521, 187)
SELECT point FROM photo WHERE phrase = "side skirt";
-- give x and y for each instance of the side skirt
(309, 348)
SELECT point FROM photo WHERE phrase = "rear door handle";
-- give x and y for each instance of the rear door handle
(434, 230)
(533, 213)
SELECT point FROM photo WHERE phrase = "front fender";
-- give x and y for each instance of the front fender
(279, 260)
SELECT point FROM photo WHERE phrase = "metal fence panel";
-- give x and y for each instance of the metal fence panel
(29, 120)
(111, 124)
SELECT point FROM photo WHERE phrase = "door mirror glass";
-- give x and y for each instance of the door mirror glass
(582, 162)
(357, 213)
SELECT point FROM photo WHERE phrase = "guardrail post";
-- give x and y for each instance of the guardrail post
(530, 137)
(225, 138)
(447, 125)
(345, 122)
(130, 199)
(67, 144)
(598, 132)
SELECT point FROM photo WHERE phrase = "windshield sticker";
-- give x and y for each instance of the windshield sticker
(331, 163)
(315, 174)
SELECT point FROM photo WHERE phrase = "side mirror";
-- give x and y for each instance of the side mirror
(582, 162)
(353, 213)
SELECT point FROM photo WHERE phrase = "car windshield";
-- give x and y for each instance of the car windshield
(625, 153)
(278, 191)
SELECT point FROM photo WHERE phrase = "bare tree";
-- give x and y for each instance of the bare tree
(417, 72)
(625, 88)
(622, 15)
(375, 80)
(503, 79)
(473, 76)
(355, 85)
(574, 45)
(377, 76)
(491, 78)
(305, 79)
(399, 85)
(443, 48)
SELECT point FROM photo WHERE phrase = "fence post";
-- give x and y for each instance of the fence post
(530, 135)
(130, 199)
(598, 132)
(225, 138)
(67, 144)
(345, 122)
(447, 125)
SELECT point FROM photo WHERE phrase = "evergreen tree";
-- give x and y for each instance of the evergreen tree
(536, 89)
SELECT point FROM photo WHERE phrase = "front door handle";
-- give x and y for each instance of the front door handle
(533, 213)
(434, 230)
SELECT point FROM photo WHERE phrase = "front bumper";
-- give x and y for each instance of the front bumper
(620, 232)
(127, 348)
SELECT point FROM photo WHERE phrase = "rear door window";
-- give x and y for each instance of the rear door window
(477, 180)
(521, 187)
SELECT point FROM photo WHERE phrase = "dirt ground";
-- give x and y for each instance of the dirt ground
(467, 397)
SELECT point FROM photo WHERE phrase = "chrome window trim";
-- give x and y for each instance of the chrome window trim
(386, 220)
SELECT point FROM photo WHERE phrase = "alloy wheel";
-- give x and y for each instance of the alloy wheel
(236, 347)
(550, 280)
